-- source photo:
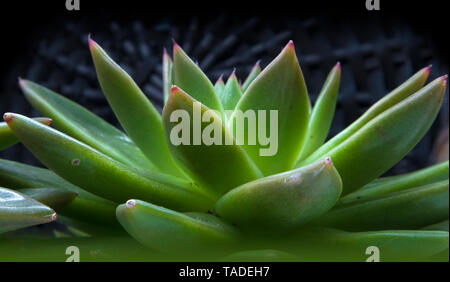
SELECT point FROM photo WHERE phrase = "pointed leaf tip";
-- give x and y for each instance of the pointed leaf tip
(338, 66)
(92, 43)
(8, 117)
(174, 89)
(290, 45)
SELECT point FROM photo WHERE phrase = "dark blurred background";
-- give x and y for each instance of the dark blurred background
(378, 50)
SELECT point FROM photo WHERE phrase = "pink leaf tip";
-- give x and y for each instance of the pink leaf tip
(92, 43)
(327, 161)
(220, 79)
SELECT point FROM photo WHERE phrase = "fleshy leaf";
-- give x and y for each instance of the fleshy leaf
(189, 77)
(218, 168)
(327, 244)
(170, 231)
(386, 139)
(390, 184)
(167, 75)
(407, 209)
(52, 197)
(8, 139)
(135, 112)
(230, 95)
(280, 89)
(97, 173)
(219, 86)
(19, 211)
(256, 70)
(86, 206)
(285, 200)
(408, 88)
(322, 113)
(81, 124)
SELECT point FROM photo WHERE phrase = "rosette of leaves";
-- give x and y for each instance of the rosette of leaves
(312, 200)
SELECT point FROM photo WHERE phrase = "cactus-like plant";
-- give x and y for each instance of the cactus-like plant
(312, 199)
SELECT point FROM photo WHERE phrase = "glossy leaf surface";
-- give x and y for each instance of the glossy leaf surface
(81, 124)
(8, 139)
(322, 113)
(97, 173)
(19, 211)
(386, 139)
(169, 231)
(218, 168)
(408, 88)
(135, 112)
(280, 87)
(390, 184)
(189, 77)
(408, 209)
(285, 200)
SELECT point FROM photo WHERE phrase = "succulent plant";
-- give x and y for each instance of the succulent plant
(311, 200)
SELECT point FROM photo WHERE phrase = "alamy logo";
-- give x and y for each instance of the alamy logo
(73, 5)
(373, 5)
(74, 254)
(249, 127)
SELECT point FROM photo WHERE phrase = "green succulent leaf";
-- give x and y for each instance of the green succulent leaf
(135, 112)
(189, 77)
(443, 226)
(391, 184)
(408, 209)
(55, 198)
(219, 86)
(408, 88)
(8, 139)
(218, 168)
(386, 139)
(322, 113)
(167, 75)
(285, 200)
(86, 206)
(97, 173)
(170, 231)
(279, 87)
(230, 95)
(81, 124)
(256, 70)
(19, 211)
(327, 244)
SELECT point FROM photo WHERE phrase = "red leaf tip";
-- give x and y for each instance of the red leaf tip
(327, 161)
(428, 68)
(174, 89)
(8, 117)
